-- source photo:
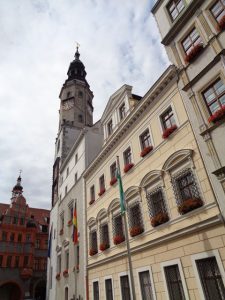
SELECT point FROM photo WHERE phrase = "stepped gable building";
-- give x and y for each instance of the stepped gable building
(23, 248)
(77, 144)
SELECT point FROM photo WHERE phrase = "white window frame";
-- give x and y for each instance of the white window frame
(123, 274)
(163, 111)
(105, 278)
(132, 156)
(171, 263)
(95, 280)
(144, 269)
(140, 132)
(212, 253)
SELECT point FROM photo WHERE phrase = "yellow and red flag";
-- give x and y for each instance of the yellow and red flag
(75, 228)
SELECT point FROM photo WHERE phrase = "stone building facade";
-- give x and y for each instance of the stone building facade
(175, 231)
(23, 248)
(194, 38)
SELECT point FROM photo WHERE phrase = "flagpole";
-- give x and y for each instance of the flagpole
(127, 243)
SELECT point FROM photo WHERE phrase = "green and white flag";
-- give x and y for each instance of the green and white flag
(122, 200)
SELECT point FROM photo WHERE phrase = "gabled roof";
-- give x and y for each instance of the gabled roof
(114, 99)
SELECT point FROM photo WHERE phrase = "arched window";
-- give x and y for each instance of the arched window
(103, 230)
(181, 169)
(117, 222)
(93, 241)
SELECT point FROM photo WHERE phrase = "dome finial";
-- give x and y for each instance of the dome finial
(17, 189)
(77, 54)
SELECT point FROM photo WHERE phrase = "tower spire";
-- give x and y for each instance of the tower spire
(17, 189)
(77, 54)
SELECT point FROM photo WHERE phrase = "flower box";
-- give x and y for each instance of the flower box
(65, 273)
(128, 167)
(117, 239)
(92, 201)
(61, 231)
(218, 115)
(159, 219)
(146, 150)
(136, 230)
(57, 276)
(70, 222)
(113, 181)
(93, 252)
(168, 131)
(189, 205)
(102, 191)
(193, 53)
(104, 246)
(221, 24)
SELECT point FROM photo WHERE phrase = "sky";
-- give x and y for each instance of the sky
(119, 44)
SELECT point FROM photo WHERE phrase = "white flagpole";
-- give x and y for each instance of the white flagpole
(127, 243)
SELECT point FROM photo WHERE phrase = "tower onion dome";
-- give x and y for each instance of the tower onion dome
(76, 68)
(18, 189)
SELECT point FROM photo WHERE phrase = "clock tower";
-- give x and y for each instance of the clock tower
(76, 113)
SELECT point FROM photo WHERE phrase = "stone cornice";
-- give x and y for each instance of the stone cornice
(186, 15)
(157, 88)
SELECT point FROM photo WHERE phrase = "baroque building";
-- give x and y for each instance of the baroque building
(23, 248)
(172, 221)
(78, 142)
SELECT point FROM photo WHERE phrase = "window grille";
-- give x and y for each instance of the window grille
(174, 283)
(145, 139)
(135, 219)
(108, 289)
(157, 207)
(214, 96)
(175, 7)
(218, 10)
(186, 191)
(211, 278)
(191, 41)
(168, 119)
(125, 288)
(146, 287)
(104, 236)
(118, 226)
(93, 241)
(95, 290)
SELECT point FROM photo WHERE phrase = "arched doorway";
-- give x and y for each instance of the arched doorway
(40, 290)
(10, 291)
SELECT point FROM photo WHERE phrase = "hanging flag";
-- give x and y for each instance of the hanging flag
(75, 228)
(118, 176)
(50, 243)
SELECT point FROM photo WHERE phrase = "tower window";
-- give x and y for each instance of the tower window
(80, 118)
(68, 94)
(122, 111)
(80, 94)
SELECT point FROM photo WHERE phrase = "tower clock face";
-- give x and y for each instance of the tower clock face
(67, 104)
